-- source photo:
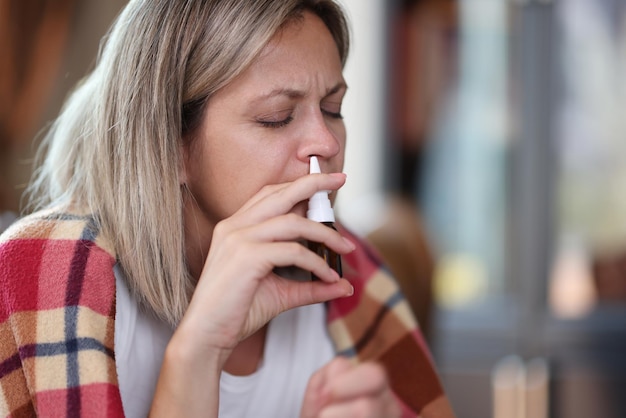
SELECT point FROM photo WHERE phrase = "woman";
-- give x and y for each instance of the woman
(172, 199)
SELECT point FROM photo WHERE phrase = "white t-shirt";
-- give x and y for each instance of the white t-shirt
(140, 342)
(297, 344)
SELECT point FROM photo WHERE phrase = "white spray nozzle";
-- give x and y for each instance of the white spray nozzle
(314, 166)
(319, 204)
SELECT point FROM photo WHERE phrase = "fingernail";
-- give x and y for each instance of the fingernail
(351, 291)
(350, 243)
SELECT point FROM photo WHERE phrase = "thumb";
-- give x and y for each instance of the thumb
(307, 293)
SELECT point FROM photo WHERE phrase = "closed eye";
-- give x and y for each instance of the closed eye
(334, 115)
(275, 124)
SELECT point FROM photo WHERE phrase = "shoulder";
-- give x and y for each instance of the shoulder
(57, 310)
(54, 225)
(53, 256)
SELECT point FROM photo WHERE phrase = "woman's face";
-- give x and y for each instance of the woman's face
(262, 128)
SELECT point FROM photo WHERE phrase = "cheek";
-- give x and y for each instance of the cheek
(338, 161)
(210, 178)
(226, 181)
(341, 137)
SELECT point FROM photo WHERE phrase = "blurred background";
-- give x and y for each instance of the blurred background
(486, 163)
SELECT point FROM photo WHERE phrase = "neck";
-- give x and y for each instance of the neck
(247, 355)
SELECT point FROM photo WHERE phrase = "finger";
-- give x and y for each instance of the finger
(262, 194)
(294, 294)
(292, 227)
(358, 408)
(264, 257)
(366, 379)
(279, 200)
(337, 367)
(251, 247)
(315, 396)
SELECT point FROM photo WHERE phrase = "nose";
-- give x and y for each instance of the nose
(322, 138)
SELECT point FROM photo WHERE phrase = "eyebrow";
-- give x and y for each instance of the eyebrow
(296, 94)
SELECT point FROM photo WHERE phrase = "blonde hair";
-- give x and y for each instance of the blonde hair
(115, 149)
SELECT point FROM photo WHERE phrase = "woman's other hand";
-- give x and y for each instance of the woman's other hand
(343, 389)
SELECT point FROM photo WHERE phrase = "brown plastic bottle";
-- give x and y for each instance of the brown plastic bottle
(332, 258)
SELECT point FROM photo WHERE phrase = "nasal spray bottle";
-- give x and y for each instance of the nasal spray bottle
(321, 211)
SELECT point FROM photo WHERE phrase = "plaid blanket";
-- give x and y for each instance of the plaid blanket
(57, 310)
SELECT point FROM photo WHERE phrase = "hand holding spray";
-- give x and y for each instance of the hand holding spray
(321, 211)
